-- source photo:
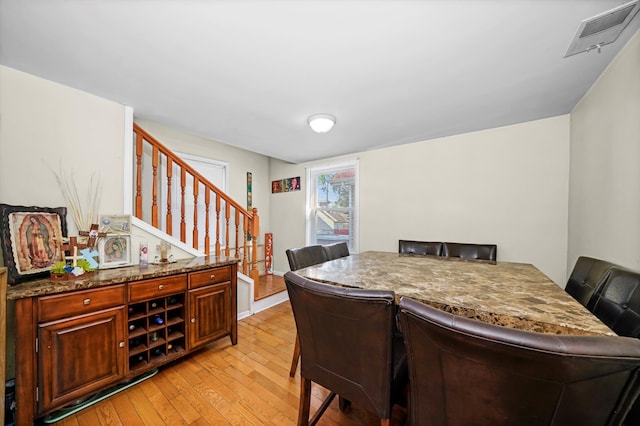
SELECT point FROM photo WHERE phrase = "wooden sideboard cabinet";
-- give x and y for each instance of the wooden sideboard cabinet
(80, 345)
(211, 297)
(72, 345)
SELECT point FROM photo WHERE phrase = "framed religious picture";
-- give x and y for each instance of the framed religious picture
(276, 186)
(115, 224)
(115, 251)
(31, 240)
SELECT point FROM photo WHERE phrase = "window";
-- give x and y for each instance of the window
(332, 204)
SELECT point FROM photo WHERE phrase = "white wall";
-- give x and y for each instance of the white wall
(507, 186)
(288, 213)
(46, 126)
(604, 197)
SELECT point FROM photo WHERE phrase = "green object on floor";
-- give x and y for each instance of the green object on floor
(74, 408)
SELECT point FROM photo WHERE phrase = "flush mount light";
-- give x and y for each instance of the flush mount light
(321, 123)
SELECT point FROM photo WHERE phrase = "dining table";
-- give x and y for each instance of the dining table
(516, 295)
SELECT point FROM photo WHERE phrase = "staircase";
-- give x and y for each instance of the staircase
(218, 224)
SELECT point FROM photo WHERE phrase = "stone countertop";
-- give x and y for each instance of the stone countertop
(515, 295)
(104, 277)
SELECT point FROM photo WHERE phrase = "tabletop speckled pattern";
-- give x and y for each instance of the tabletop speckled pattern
(105, 277)
(516, 295)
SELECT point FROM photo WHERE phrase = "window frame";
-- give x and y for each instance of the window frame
(311, 200)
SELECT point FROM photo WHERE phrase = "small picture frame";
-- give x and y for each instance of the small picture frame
(115, 251)
(115, 223)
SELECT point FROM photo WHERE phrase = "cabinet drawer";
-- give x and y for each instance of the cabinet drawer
(80, 302)
(157, 287)
(209, 276)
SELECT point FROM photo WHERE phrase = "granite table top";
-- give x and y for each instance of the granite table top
(515, 295)
(104, 277)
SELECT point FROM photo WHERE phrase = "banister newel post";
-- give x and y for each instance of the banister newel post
(255, 231)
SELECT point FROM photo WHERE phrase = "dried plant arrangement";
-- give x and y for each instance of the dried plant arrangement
(81, 217)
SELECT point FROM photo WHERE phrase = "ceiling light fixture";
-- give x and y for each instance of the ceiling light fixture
(321, 123)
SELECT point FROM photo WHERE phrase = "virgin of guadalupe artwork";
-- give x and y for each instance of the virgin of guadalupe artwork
(115, 249)
(36, 238)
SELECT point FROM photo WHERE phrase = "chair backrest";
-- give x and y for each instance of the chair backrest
(470, 251)
(463, 371)
(345, 339)
(588, 275)
(422, 248)
(617, 303)
(336, 251)
(303, 257)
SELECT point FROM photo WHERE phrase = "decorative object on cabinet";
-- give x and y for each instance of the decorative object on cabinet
(163, 257)
(115, 251)
(92, 235)
(115, 224)
(31, 240)
(63, 271)
(83, 219)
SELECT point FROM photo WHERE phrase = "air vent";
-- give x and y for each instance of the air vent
(602, 29)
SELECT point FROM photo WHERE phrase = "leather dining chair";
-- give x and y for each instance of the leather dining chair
(420, 248)
(336, 250)
(463, 372)
(586, 278)
(617, 304)
(303, 257)
(299, 258)
(348, 345)
(470, 251)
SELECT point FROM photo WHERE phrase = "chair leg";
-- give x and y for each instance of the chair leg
(343, 404)
(296, 357)
(305, 402)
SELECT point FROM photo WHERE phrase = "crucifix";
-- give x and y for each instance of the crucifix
(72, 247)
(93, 235)
(74, 257)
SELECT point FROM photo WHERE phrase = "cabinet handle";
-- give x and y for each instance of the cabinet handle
(193, 320)
(160, 287)
(213, 276)
(121, 344)
(86, 301)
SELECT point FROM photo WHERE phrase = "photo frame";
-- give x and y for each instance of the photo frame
(114, 251)
(285, 185)
(115, 223)
(31, 240)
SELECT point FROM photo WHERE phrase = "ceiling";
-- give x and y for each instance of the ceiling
(249, 73)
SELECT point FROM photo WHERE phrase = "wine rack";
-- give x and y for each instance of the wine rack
(156, 331)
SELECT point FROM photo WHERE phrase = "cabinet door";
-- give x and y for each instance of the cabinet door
(80, 355)
(209, 314)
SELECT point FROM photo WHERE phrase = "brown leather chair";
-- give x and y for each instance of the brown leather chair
(336, 251)
(467, 372)
(347, 345)
(303, 257)
(420, 248)
(588, 275)
(299, 258)
(617, 304)
(470, 251)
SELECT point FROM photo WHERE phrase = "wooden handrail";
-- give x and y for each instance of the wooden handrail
(245, 222)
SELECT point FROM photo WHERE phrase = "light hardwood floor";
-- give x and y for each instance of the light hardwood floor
(269, 285)
(245, 384)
